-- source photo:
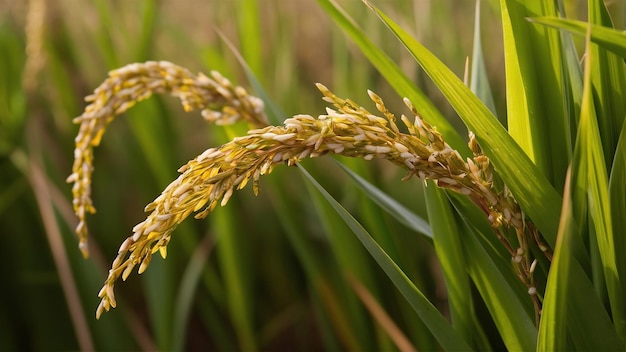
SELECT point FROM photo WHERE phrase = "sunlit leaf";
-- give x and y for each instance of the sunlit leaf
(589, 157)
(573, 317)
(532, 190)
(609, 38)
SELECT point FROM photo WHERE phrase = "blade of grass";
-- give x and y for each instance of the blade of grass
(104, 38)
(184, 298)
(159, 283)
(573, 317)
(518, 334)
(532, 190)
(390, 205)
(589, 157)
(149, 122)
(275, 115)
(449, 249)
(321, 286)
(250, 35)
(149, 19)
(401, 247)
(617, 189)
(231, 253)
(394, 76)
(479, 83)
(439, 327)
(325, 295)
(534, 88)
(608, 78)
(489, 267)
(351, 259)
(611, 39)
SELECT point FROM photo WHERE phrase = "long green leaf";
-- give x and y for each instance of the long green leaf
(518, 334)
(617, 190)
(390, 205)
(250, 35)
(327, 295)
(449, 249)
(532, 190)
(489, 267)
(350, 258)
(608, 78)
(437, 324)
(479, 83)
(573, 317)
(231, 244)
(589, 155)
(186, 292)
(149, 20)
(609, 38)
(534, 88)
(394, 76)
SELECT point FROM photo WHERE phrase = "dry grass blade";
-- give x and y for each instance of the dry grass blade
(385, 321)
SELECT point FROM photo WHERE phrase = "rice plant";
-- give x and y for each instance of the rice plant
(519, 245)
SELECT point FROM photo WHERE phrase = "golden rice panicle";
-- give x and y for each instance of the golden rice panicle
(211, 178)
(349, 129)
(219, 100)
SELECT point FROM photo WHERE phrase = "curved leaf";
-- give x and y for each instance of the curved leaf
(490, 269)
(532, 190)
(390, 205)
(436, 323)
(608, 38)
(449, 248)
(535, 91)
(573, 317)
(395, 77)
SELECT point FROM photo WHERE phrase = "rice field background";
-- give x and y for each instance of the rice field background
(280, 271)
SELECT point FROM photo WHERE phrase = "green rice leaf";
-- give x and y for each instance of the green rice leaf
(186, 292)
(231, 254)
(589, 163)
(274, 113)
(500, 289)
(339, 319)
(573, 317)
(534, 88)
(518, 334)
(436, 323)
(351, 258)
(611, 39)
(479, 83)
(449, 248)
(394, 76)
(532, 190)
(617, 190)
(250, 35)
(390, 205)
(149, 20)
(608, 78)
(343, 321)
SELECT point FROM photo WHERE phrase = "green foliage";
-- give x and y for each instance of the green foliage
(285, 269)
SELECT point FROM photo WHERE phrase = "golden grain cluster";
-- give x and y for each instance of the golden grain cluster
(211, 178)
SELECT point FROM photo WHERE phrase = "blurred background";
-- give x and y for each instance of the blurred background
(274, 272)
